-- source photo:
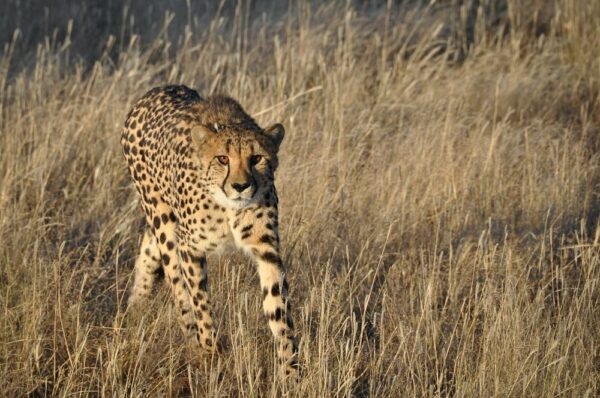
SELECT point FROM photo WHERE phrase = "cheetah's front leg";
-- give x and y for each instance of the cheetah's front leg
(258, 237)
(164, 226)
(196, 277)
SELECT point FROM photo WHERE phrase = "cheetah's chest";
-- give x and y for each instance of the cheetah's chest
(207, 231)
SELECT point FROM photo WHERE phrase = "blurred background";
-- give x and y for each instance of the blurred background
(86, 26)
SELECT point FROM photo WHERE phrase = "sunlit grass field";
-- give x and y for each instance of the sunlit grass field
(438, 189)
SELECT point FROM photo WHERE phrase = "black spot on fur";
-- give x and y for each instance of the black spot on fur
(276, 316)
(271, 257)
(275, 290)
(266, 239)
(203, 284)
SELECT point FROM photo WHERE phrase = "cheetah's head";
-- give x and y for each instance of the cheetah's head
(238, 163)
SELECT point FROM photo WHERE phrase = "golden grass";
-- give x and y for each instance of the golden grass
(439, 207)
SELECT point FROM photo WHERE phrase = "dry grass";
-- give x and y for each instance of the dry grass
(439, 199)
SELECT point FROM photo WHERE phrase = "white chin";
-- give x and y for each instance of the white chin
(224, 201)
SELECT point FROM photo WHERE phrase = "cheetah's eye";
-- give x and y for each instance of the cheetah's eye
(255, 159)
(223, 160)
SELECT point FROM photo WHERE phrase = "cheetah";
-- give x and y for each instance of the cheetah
(204, 172)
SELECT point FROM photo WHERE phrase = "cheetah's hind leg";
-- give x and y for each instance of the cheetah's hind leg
(146, 268)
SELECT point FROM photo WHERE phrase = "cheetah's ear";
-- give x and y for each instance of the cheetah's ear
(276, 132)
(200, 133)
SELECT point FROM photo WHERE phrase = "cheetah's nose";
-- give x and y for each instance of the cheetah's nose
(240, 187)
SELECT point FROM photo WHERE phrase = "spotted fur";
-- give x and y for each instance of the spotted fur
(204, 171)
